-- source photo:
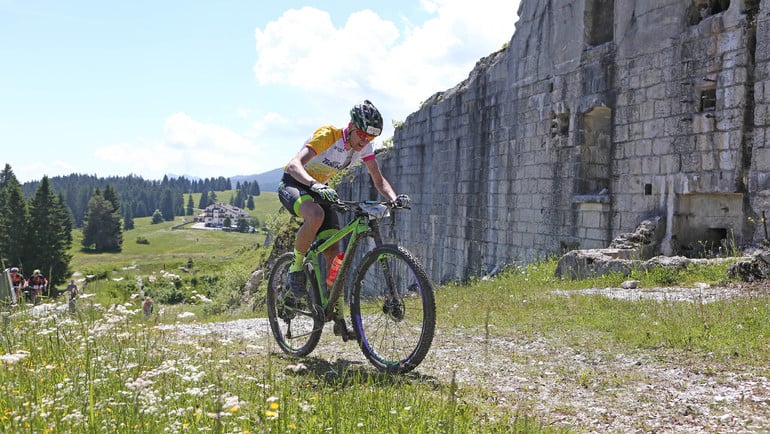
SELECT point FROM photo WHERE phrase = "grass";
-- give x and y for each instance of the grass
(523, 301)
(105, 367)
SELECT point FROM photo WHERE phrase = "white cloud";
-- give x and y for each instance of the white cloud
(320, 70)
(189, 147)
(35, 169)
(370, 56)
(302, 48)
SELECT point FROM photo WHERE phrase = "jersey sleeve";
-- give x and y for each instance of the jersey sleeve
(322, 139)
(367, 153)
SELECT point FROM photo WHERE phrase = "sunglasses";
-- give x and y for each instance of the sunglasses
(363, 135)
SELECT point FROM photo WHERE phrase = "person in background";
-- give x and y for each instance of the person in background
(72, 293)
(36, 283)
(18, 282)
(147, 307)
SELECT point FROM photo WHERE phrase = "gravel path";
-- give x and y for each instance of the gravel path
(589, 389)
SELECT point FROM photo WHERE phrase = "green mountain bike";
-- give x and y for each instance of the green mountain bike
(392, 307)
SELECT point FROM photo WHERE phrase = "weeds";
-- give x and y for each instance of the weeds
(136, 378)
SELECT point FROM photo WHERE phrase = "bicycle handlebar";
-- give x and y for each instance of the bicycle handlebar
(359, 207)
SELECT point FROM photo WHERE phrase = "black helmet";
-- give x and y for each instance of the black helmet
(367, 118)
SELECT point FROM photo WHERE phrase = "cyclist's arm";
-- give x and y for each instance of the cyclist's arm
(296, 167)
(380, 183)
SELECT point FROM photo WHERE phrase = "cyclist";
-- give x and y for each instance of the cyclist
(304, 192)
(18, 282)
(36, 283)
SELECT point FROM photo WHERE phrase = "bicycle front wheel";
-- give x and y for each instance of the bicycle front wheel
(297, 327)
(393, 309)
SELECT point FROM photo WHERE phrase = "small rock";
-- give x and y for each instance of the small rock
(630, 284)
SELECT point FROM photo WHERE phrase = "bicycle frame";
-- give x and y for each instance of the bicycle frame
(392, 307)
(361, 226)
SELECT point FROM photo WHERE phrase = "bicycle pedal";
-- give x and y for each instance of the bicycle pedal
(341, 329)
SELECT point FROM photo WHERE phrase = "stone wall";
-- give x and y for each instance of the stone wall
(598, 115)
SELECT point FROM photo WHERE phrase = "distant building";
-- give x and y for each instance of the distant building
(215, 214)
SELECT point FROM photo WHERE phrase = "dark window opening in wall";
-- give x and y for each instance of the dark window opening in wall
(560, 124)
(701, 9)
(707, 99)
(707, 224)
(714, 241)
(647, 189)
(749, 6)
(595, 152)
(599, 21)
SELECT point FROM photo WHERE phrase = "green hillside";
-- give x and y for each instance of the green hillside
(265, 204)
(172, 244)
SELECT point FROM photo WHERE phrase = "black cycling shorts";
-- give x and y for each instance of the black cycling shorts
(293, 193)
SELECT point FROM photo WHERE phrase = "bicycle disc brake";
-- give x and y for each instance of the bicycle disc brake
(394, 307)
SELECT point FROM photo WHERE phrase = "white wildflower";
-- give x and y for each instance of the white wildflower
(16, 357)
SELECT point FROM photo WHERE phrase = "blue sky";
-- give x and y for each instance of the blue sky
(207, 89)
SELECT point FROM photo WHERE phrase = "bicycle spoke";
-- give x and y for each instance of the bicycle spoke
(393, 309)
(296, 329)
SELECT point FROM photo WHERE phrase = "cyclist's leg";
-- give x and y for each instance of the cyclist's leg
(316, 219)
(330, 225)
(299, 201)
(312, 218)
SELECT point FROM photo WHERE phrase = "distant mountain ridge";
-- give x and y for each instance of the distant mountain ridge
(268, 181)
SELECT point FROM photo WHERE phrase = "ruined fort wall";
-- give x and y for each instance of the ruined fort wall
(598, 115)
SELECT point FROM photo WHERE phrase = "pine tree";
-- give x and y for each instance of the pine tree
(101, 228)
(49, 234)
(111, 196)
(14, 218)
(190, 205)
(157, 217)
(167, 205)
(128, 220)
(204, 201)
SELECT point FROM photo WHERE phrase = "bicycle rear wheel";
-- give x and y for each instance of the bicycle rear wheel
(392, 309)
(297, 329)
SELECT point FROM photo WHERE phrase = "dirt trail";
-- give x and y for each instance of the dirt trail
(588, 389)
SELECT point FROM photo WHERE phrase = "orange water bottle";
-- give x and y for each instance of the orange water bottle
(336, 263)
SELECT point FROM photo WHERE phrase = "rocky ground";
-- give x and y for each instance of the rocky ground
(587, 389)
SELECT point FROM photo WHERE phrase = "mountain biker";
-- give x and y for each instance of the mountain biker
(304, 192)
(18, 281)
(36, 283)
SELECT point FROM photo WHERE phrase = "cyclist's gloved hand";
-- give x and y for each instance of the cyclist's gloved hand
(324, 191)
(402, 201)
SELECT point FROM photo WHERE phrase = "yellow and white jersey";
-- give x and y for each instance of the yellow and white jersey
(328, 143)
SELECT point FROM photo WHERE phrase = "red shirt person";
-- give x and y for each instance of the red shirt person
(36, 283)
(18, 282)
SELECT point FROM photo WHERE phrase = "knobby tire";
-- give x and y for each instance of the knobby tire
(393, 309)
(297, 332)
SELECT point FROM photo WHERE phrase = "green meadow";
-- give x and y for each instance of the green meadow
(104, 366)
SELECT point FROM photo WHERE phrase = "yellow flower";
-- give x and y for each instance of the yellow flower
(235, 409)
(274, 406)
(270, 414)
